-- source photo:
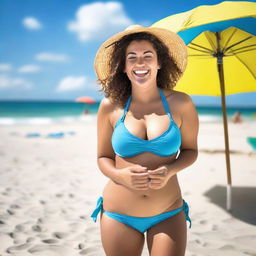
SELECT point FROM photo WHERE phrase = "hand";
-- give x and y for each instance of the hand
(135, 177)
(158, 177)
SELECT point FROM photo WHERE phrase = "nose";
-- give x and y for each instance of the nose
(140, 61)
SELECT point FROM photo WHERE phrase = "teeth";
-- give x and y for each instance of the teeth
(140, 72)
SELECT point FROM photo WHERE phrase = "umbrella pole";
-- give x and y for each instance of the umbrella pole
(219, 56)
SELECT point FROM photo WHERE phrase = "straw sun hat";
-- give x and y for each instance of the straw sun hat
(176, 46)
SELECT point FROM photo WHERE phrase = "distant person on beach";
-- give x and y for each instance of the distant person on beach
(147, 133)
(237, 118)
(86, 112)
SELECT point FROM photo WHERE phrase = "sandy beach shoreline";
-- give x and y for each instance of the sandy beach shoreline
(49, 187)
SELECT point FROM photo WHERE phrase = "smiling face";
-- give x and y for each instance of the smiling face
(141, 64)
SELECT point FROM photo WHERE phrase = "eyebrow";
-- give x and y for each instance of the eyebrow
(143, 53)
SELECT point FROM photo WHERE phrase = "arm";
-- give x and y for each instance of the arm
(189, 132)
(188, 150)
(105, 153)
(135, 176)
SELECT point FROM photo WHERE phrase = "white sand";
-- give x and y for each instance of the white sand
(49, 187)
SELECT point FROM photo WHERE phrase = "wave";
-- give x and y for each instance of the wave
(9, 121)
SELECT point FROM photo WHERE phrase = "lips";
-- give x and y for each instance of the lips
(141, 73)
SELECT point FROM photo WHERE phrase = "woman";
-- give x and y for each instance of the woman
(147, 133)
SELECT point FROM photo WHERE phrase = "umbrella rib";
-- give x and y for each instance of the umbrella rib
(211, 42)
(208, 50)
(198, 50)
(248, 50)
(246, 66)
(200, 46)
(244, 47)
(224, 48)
(247, 38)
(200, 55)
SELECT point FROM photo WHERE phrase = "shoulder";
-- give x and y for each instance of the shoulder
(108, 111)
(106, 106)
(181, 104)
(183, 98)
(180, 99)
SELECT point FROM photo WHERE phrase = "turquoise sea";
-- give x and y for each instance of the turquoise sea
(47, 112)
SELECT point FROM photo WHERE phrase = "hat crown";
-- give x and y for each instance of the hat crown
(176, 47)
(132, 27)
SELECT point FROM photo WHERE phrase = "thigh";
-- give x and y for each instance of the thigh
(120, 239)
(169, 237)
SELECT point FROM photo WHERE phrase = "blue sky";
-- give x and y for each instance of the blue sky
(47, 47)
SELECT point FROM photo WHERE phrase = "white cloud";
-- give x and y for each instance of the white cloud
(71, 83)
(32, 23)
(99, 20)
(5, 67)
(51, 57)
(29, 69)
(7, 82)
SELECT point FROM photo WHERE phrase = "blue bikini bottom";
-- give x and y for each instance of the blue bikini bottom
(141, 224)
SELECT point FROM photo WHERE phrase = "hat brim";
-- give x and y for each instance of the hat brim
(176, 46)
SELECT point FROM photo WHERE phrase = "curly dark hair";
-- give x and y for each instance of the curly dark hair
(117, 87)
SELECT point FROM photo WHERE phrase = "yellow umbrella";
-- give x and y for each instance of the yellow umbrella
(222, 54)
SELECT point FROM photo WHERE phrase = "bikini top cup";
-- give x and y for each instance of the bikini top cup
(125, 144)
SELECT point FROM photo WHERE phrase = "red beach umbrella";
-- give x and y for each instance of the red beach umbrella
(86, 99)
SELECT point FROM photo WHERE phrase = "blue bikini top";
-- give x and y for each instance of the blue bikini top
(125, 144)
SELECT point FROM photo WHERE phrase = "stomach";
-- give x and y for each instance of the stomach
(142, 203)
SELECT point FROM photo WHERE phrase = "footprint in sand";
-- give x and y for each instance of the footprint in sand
(214, 227)
(13, 235)
(88, 250)
(227, 247)
(20, 247)
(81, 246)
(42, 202)
(37, 228)
(203, 222)
(15, 206)
(59, 195)
(40, 220)
(60, 235)
(64, 211)
(30, 239)
(71, 195)
(50, 241)
(20, 227)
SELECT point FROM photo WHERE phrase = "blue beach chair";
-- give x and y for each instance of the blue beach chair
(33, 134)
(252, 142)
(56, 135)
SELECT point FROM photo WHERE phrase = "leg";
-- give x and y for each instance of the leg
(120, 239)
(169, 237)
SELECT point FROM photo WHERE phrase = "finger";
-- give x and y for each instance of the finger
(138, 182)
(155, 182)
(162, 173)
(140, 175)
(156, 177)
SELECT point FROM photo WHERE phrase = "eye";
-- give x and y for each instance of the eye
(148, 57)
(131, 58)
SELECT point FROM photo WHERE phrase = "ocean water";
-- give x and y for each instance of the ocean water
(47, 112)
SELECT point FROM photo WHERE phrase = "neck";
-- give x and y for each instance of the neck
(144, 95)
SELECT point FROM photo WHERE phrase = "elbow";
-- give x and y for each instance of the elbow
(191, 154)
(104, 157)
(195, 154)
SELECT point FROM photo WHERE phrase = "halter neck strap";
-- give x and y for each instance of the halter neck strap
(165, 103)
